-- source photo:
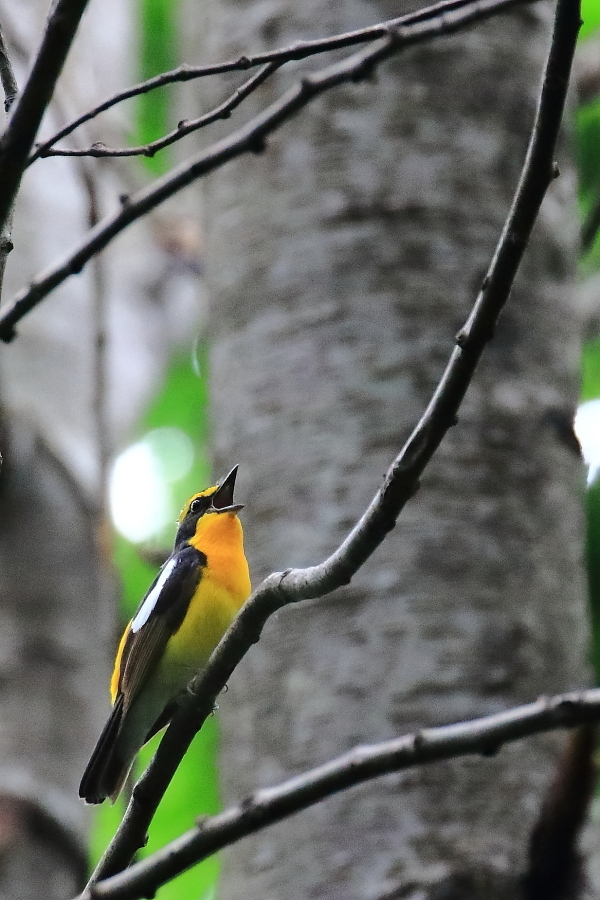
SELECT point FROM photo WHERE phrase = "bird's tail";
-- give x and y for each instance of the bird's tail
(107, 770)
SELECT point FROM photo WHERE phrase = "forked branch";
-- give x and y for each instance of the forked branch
(278, 57)
(184, 127)
(32, 102)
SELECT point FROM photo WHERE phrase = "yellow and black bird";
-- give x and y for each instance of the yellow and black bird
(187, 609)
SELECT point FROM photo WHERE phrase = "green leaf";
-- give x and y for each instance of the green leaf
(590, 13)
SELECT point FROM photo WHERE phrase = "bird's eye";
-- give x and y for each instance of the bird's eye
(196, 505)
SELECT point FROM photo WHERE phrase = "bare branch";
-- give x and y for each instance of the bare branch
(185, 127)
(401, 480)
(11, 89)
(7, 76)
(99, 301)
(299, 50)
(6, 246)
(483, 737)
(248, 139)
(33, 101)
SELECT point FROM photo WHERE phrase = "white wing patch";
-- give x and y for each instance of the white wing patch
(149, 603)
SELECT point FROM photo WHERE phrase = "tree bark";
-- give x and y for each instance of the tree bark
(52, 646)
(341, 263)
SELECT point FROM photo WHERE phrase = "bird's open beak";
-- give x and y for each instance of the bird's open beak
(222, 499)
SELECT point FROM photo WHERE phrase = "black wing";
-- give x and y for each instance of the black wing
(159, 615)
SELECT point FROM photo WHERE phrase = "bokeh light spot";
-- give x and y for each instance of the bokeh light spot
(172, 450)
(137, 493)
(587, 429)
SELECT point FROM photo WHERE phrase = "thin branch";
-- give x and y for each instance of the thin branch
(185, 127)
(11, 89)
(402, 479)
(265, 807)
(248, 139)
(99, 296)
(297, 51)
(7, 76)
(33, 101)
(99, 304)
(6, 246)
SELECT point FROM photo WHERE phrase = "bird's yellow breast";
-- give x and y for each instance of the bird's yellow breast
(223, 587)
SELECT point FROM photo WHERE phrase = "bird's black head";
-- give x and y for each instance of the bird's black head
(215, 499)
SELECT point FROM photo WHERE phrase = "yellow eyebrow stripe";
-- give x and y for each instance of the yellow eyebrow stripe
(186, 508)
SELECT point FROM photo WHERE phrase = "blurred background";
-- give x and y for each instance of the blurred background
(292, 315)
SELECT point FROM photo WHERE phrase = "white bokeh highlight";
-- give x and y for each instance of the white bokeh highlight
(587, 429)
(140, 500)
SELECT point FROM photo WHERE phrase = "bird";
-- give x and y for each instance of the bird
(181, 619)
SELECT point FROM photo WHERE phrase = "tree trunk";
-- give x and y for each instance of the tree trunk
(342, 262)
(52, 647)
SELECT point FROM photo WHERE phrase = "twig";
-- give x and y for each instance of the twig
(7, 76)
(297, 51)
(401, 480)
(105, 597)
(99, 301)
(11, 89)
(185, 127)
(32, 102)
(248, 139)
(484, 736)
(6, 246)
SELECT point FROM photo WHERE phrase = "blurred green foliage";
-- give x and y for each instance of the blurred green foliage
(159, 51)
(588, 141)
(593, 567)
(590, 13)
(588, 157)
(587, 130)
(590, 371)
(590, 390)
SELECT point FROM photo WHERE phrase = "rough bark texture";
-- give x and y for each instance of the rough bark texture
(49, 587)
(342, 262)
